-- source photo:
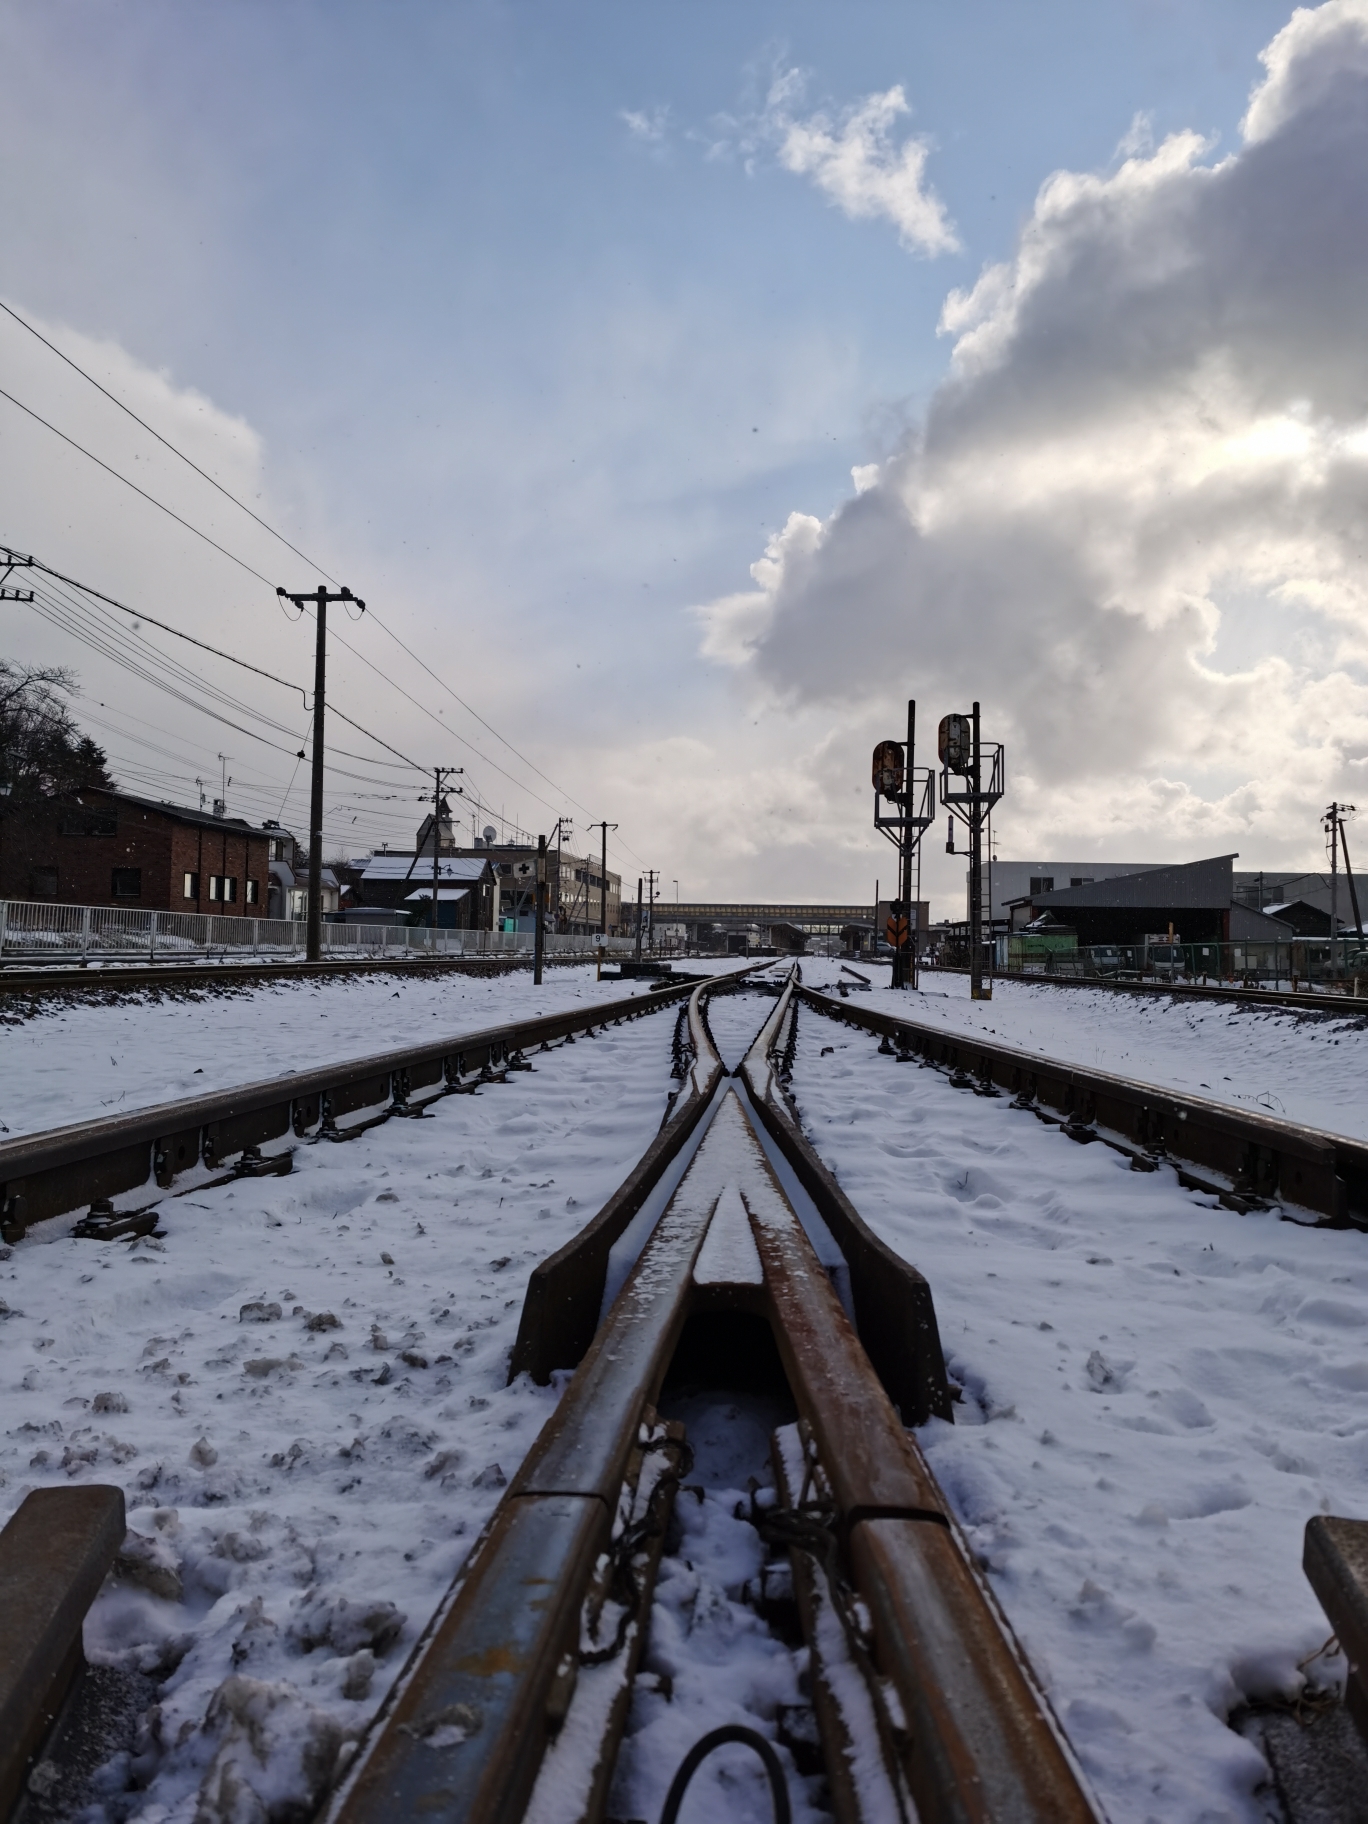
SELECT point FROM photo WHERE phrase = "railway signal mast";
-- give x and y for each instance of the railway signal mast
(911, 790)
(963, 756)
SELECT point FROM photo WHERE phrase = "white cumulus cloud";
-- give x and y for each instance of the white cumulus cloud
(854, 160)
(1134, 520)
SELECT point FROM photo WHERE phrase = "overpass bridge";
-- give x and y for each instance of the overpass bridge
(757, 916)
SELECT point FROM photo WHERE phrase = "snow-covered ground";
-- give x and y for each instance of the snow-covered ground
(1157, 1395)
(1308, 1067)
(290, 1476)
(81, 1060)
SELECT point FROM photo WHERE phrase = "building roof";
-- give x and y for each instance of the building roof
(393, 866)
(1195, 884)
(444, 894)
(180, 812)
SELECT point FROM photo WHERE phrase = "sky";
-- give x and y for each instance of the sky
(684, 388)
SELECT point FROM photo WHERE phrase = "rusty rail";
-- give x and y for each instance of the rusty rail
(47, 1174)
(894, 1312)
(1332, 1002)
(1259, 1158)
(54, 1554)
(493, 1681)
(565, 1291)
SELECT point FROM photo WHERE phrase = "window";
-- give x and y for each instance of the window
(230, 887)
(253, 892)
(1043, 883)
(126, 883)
(190, 887)
(1080, 880)
(88, 823)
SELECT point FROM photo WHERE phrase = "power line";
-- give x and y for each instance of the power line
(160, 505)
(241, 562)
(165, 626)
(165, 443)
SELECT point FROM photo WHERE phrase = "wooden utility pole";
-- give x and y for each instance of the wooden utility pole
(638, 927)
(319, 598)
(539, 921)
(438, 781)
(603, 877)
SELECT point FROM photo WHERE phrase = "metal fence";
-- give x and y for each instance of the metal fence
(1301, 963)
(39, 931)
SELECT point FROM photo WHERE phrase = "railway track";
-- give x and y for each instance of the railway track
(514, 1702)
(75, 979)
(94, 1162)
(1247, 1160)
(1333, 1004)
(728, 1288)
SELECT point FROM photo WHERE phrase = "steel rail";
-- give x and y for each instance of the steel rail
(565, 1292)
(75, 978)
(484, 1712)
(894, 1313)
(50, 1173)
(1331, 1003)
(1259, 1159)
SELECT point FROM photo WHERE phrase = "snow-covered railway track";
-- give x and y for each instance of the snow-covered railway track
(70, 980)
(728, 1355)
(1332, 1001)
(49, 1174)
(1249, 1160)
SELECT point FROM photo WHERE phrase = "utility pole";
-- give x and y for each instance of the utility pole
(13, 562)
(1331, 827)
(539, 922)
(1349, 872)
(652, 876)
(638, 924)
(603, 877)
(439, 774)
(319, 598)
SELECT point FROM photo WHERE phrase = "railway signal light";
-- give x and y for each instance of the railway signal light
(955, 743)
(897, 930)
(887, 770)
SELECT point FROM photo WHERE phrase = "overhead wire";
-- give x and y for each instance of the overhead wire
(165, 442)
(160, 505)
(251, 569)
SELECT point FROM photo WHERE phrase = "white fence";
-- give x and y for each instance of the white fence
(42, 932)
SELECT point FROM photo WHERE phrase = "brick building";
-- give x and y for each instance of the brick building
(108, 848)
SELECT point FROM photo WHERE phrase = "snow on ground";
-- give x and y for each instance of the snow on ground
(301, 1387)
(1158, 1394)
(1309, 1067)
(78, 1061)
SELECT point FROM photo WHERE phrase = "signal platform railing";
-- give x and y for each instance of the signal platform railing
(39, 931)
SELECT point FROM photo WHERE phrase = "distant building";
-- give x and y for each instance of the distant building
(1192, 900)
(574, 888)
(288, 894)
(402, 882)
(1012, 881)
(100, 847)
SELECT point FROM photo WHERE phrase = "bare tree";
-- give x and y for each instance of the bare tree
(43, 754)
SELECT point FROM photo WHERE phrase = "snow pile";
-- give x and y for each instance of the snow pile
(300, 1389)
(1306, 1067)
(1157, 1394)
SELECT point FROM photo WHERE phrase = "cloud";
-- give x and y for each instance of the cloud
(647, 124)
(1134, 520)
(854, 161)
